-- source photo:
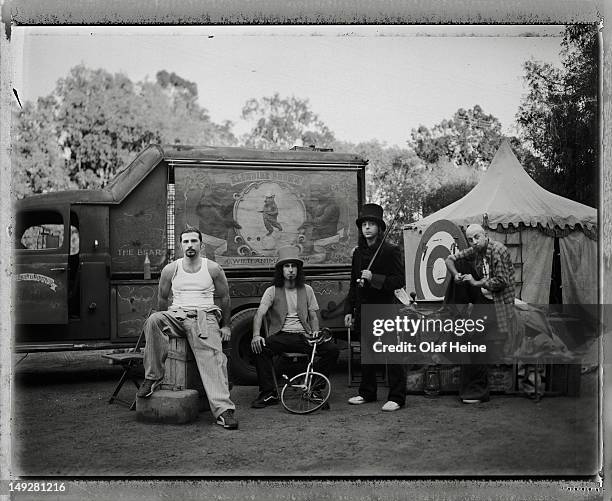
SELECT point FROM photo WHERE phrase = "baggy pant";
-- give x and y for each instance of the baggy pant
(474, 378)
(205, 342)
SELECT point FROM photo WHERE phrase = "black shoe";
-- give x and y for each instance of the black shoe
(147, 388)
(227, 420)
(264, 399)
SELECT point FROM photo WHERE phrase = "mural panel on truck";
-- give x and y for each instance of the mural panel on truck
(138, 226)
(246, 215)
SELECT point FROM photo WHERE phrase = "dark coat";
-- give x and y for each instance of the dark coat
(387, 275)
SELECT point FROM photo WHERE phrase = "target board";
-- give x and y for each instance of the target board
(440, 240)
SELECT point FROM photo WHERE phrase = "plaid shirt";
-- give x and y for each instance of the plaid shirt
(500, 280)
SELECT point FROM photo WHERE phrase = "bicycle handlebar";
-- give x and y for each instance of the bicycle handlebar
(318, 337)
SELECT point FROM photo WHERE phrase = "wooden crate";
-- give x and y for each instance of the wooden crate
(558, 379)
(181, 368)
(502, 379)
(563, 379)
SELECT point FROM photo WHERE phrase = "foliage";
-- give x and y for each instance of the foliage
(445, 195)
(558, 117)
(38, 162)
(395, 178)
(94, 123)
(453, 183)
(98, 124)
(187, 89)
(283, 123)
(470, 138)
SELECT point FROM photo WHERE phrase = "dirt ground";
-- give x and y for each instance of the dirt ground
(64, 426)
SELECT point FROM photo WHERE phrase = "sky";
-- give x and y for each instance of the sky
(364, 82)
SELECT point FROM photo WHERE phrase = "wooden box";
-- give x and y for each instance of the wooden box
(564, 379)
(555, 379)
(181, 368)
(502, 379)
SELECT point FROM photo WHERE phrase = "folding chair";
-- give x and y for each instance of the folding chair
(131, 361)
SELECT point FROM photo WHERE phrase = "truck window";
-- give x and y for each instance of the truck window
(40, 230)
(44, 230)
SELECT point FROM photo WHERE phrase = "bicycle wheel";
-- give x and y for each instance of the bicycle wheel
(305, 393)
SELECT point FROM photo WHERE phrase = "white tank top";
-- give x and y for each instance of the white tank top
(192, 290)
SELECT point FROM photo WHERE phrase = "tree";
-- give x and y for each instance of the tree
(558, 117)
(283, 123)
(99, 123)
(38, 161)
(452, 184)
(174, 83)
(95, 122)
(456, 151)
(173, 111)
(470, 138)
(395, 178)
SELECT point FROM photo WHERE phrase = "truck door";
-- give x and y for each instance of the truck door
(42, 243)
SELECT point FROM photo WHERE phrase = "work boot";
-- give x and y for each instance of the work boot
(147, 388)
(227, 420)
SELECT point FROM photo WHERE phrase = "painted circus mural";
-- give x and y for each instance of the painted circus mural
(246, 215)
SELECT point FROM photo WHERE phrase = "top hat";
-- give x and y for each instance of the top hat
(371, 212)
(288, 254)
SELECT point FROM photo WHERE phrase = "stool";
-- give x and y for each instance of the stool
(289, 357)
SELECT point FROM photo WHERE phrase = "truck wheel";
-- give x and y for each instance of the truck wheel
(242, 366)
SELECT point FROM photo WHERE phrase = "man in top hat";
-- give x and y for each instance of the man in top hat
(375, 283)
(292, 311)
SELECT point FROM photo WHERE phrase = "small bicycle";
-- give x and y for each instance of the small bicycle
(309, 390)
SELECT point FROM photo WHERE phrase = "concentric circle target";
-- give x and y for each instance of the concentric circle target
(439, 240)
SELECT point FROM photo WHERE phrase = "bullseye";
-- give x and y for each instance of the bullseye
(438, 241)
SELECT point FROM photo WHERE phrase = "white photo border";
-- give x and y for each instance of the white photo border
(195, 12)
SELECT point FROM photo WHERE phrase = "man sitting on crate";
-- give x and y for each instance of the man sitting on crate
(292, 310)
(193, 314)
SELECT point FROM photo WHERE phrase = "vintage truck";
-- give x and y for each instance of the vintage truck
(87, 262)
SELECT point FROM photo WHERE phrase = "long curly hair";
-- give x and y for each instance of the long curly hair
(279, 279)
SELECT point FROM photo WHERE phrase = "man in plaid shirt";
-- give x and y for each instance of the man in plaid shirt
(494, 272)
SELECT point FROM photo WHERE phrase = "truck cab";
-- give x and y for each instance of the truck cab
(80, 280)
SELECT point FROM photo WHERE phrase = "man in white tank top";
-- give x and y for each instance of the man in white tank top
(194, 281)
